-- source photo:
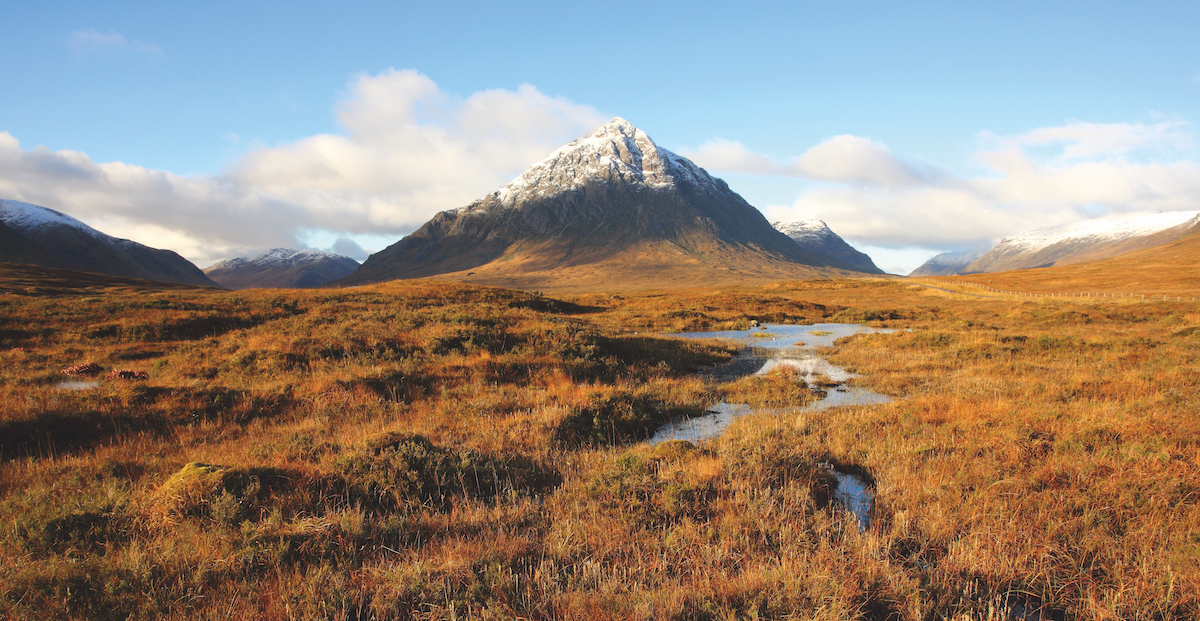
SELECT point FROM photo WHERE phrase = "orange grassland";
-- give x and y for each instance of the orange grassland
(430, 450)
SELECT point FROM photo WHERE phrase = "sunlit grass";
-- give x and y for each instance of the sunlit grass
(425, 450)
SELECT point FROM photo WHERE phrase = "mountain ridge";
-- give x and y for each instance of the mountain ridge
(613, 192)
(816, 236)
(282, 268)
(1098, 238)
(71, 244)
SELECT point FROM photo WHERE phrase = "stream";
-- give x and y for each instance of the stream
(769, 347)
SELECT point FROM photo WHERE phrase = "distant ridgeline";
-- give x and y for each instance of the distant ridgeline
(282, 268)
(1089, 240)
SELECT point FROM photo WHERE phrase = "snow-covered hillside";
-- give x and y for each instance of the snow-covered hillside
(1094, 239)
(282, 268)
(69, 243)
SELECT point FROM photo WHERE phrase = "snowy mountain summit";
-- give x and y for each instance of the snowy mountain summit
(282, 268)
(43, 236)
(277, 256)
(617, 153)
(816, 236)
(26, 218)
(612, 197)
(807, 230)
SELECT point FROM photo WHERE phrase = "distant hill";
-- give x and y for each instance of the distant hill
(947, 263)
(282, 268)
(1168, 269)
(611, 210)
(816, 236)
(1089, 240)
(47, 237)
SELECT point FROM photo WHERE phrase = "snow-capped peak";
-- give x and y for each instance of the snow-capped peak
(1111, 228)
(24, 217)
(814, 230)
(277, 256)
(616, 151)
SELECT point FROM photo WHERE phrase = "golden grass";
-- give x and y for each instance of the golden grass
(429, 450)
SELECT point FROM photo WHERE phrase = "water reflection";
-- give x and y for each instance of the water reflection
(765, 349)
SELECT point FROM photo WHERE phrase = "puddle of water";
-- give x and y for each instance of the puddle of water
(854, 495)
(847, 395)
(771, 347)
(779, 336)
(77, 385)
(715, 419)
(811, 367)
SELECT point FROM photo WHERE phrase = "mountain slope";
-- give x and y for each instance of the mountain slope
(15, 248)
(282, 268)
(1166, 270)
(1089, 240)
(947, 263)
(816, 236)
(611, 208)
(78, 246)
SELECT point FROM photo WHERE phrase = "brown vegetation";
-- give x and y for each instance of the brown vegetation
(428, 450)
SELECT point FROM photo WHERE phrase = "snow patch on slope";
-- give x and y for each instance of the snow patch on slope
(278, 256)
(1108, 229)
(24, 217)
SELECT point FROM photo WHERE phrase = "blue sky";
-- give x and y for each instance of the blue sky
(220, 129)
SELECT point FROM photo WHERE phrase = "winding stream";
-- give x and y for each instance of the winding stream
(770, 347)
(766, 348)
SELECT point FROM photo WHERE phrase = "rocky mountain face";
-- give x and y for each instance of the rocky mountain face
(47, 237)
(608, 206)
(816, 236)
(282, 268)
(947, 263)
(1090, 240)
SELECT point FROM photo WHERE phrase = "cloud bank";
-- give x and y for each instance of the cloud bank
(408, 150)
(1043, 177)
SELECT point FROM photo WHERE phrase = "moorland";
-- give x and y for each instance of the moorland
(422, 449)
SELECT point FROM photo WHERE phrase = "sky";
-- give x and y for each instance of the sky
(221, 129)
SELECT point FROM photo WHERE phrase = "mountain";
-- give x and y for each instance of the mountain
(947, 263)
(816, 236)
(15, 248)
(611, 210)
(1090, 240)
(72, 244)
(282, 268)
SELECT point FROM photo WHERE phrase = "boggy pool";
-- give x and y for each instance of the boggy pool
(764, 349)
(769, 347)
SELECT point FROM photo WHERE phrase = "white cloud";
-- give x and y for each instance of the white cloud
(843, 159)
(89, 41)
(869, 195)
(732, 156)
(1090, 140)
(408, 151)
